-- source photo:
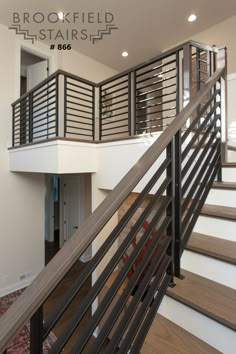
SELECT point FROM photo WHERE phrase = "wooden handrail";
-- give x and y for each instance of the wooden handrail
(49, 78)
(72, 76)
(35, 295)
(45, 81)
(160, 56)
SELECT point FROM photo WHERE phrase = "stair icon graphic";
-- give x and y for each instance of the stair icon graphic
(24, 32)
(102, 33)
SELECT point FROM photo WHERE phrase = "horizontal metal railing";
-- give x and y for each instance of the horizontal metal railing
(143, 99)
(182, 173)
(156, 91)
(115, 108)
(79, 108)
(35, 115)
(60, 106)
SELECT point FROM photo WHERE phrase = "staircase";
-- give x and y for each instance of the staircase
(201, 308)
(178, 171)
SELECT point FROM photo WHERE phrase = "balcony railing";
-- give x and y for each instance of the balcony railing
(144, 99)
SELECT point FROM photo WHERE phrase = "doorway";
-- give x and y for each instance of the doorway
(34, 69)
(67, 205)
(75, 203)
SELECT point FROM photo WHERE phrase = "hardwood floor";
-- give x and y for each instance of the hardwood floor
(215, 247)
(165, 337)
(51, 249)
(206, 296)
(219, 211)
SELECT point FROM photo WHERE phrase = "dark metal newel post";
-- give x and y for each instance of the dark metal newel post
(219, 133)
(171, 210)
(94, 111)
(100, 113)
(178, 206)
(13, 125)
(65, 106)
(130, 113)
(134, 103)
(57, 105)
(187, 74)
(222, 62)
(36, 332)
(30, 117)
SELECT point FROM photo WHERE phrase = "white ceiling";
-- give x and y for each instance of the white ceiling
(145, 27)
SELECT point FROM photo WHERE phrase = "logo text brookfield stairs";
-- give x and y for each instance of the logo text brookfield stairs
(68, 26)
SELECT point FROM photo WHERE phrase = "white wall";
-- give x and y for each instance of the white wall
(231, 109)
(116, 158)
(223, 34)
(22, 194)
(55, 157)
(85, 67)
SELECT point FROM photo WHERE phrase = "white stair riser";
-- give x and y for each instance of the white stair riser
(208, 330)
(208, 267)
(222, 197)
(221, 228)
(229, 174)
(231, 156)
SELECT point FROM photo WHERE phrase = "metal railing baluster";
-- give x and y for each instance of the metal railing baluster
(36, 332)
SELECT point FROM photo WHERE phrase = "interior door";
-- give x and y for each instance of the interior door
(36, 73)
(71, 187)
(49, 209)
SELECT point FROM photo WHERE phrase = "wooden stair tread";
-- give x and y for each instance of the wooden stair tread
(165, 337)
(231, 147)
(213, 247)
(219, 211)
(229, 164)
(224, 185)
(206, 296)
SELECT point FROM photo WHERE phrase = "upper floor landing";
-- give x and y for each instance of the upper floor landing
(66, 124)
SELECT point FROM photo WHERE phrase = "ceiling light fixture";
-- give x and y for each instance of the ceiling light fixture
(125, 54)
(192, 18)
(61, 16)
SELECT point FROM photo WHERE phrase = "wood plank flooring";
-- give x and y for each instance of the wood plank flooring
(219, 211)
(57, 295)
(206, 296)
(165, 337)
(213, 247)
(224, 185)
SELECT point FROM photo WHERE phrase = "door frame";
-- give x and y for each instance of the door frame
(36, 49)
(37, 54)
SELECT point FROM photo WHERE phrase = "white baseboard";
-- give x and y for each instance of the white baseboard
(16, 286)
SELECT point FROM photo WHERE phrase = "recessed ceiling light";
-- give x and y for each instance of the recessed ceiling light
(125, 54)
(192, 18)
(60, 15)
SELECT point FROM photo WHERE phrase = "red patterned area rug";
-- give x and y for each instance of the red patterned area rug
(21, 343)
